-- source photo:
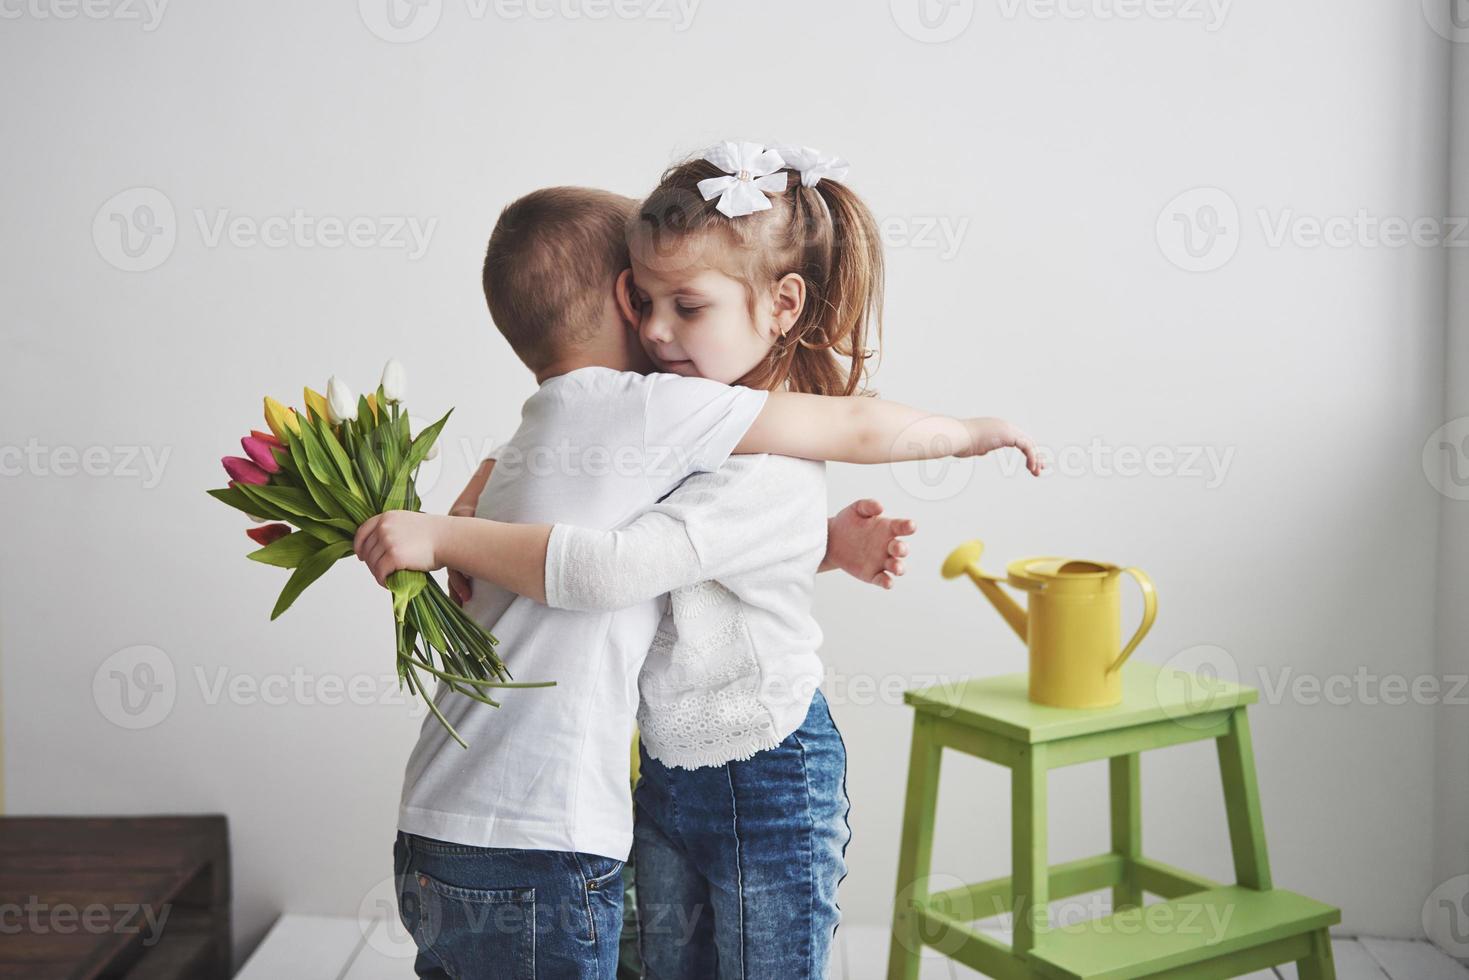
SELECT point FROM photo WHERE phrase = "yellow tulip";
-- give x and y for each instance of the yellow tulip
(280, 418)
(315, 403)
(372, 404)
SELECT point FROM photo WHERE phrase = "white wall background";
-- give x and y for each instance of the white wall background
(1047, 148)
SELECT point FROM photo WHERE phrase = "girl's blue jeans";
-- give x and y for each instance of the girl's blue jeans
(506, 914)
(738, 864)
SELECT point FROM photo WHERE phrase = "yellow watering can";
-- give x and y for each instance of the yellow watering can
(1074, 624)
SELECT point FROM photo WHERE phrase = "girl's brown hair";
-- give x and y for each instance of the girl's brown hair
(824, 234)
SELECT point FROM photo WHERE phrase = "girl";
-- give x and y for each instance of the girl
(755, 267)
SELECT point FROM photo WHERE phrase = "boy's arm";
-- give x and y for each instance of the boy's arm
(603, 569)
(869, 430)
(645, 559)
(512, 556)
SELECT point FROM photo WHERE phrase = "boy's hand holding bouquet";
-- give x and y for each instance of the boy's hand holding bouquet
(323, 474)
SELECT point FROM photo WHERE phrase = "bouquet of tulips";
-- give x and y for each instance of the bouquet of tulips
(318, 475)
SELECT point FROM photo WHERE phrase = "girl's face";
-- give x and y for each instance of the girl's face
(695, 320)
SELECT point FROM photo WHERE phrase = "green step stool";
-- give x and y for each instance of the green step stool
(1203, 929)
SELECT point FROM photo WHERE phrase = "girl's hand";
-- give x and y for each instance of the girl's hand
(866, 545)
(989, 434)
(461, 586)
(400, 539)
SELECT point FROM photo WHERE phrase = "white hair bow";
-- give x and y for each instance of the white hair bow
(754, 172)
(813, 164)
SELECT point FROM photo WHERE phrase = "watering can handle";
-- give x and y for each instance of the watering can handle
(1150, 612)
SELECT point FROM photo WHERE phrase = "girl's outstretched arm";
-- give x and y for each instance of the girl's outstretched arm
(870, 430)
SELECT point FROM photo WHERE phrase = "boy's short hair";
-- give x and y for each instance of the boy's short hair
(550, 265)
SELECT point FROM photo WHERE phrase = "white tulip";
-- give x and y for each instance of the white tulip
(433, 451)
(340, 405)
(395, 381)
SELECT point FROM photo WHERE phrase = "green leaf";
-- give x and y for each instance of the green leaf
(326, 533)
(318, 491)
(316, 456)
(370, 466)
(357, 509)
(309, 571)
(237, 499)
(405, 584)
(339, 458)
(288, 499)
(387, 449)
(289, 551)
(398, 493)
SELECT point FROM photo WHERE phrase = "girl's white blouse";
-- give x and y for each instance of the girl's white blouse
(733, 665)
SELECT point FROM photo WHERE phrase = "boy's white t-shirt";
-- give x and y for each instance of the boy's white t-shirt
(548, 769)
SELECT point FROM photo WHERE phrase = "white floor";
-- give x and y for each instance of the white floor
(315, 947)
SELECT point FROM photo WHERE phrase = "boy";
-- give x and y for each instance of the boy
(509, 855)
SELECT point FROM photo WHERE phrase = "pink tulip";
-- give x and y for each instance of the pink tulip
(266, 533)
(244, 471)
(260, 451)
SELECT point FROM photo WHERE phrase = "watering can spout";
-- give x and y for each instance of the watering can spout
(964, 560)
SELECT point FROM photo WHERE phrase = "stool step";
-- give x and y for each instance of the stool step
(1194, 928)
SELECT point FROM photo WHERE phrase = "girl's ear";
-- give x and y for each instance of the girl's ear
(790, 300)
(627, 306)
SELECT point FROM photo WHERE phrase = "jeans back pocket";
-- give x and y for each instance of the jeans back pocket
(478, 932)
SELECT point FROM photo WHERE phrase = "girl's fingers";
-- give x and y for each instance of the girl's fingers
(904, 526)
(894, 566)
(868, 507)
(898, 549)
(882, 580)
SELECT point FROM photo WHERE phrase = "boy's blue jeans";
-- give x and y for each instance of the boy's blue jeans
(506, 914)
(738, 865)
